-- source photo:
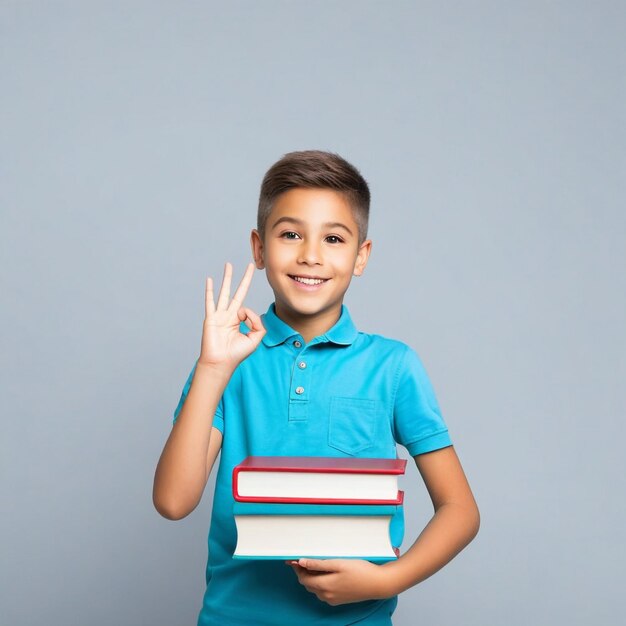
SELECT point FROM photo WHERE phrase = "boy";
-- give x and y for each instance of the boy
(303, 381)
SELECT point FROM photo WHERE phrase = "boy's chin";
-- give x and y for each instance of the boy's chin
(305, 311)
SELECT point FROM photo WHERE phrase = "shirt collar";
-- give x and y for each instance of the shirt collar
(343, 333)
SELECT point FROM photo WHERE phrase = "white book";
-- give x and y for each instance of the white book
(292, 531)
(318, 480)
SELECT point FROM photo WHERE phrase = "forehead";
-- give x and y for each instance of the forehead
(312, 206)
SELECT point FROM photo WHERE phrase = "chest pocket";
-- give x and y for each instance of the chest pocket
(352, 424)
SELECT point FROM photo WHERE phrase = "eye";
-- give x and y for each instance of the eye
(289, 234)
(334, 239)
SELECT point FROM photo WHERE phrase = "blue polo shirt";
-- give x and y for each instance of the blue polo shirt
(345, 393)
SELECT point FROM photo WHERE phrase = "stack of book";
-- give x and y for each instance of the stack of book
(318, 507)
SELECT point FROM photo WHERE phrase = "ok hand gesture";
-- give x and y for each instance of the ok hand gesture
(223, 344)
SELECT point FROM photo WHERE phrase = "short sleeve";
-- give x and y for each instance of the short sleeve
(418, 424)
(218, 418)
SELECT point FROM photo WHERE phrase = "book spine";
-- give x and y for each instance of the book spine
(275, 508)
(373, 559)
(330, 501)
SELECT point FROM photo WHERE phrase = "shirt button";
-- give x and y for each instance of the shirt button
(302, 365)
(297, 343)
(299, 390)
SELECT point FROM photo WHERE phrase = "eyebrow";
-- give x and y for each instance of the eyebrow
(295, 220)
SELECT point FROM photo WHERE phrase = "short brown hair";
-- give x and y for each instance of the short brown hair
(315, 169)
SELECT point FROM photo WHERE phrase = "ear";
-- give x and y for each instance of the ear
(362, 256)
(257, 249)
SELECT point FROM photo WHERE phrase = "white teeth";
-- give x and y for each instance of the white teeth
(308, 281)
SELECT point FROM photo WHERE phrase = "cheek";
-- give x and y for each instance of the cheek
(274, 258)
(277, 260)
(346, 263)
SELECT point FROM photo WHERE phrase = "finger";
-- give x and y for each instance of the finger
(324, 565)
(243, 317)
(254, 323)
(242, 290)
(255, 320)
(209, 303)
(296, 568)
(314, 584)
(224, 297)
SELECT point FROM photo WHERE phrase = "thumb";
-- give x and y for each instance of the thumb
(320, 565)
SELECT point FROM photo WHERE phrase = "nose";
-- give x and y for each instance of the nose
(309, 253)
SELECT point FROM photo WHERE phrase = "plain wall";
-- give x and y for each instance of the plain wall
(134, 138)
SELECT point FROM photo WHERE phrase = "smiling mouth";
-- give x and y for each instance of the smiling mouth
(306, 280)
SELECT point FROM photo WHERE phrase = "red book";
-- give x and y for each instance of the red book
(318, 480)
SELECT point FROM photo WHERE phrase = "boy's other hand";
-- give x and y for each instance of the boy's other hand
(341, 581)
(223, 344)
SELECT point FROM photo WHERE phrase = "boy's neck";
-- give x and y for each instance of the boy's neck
(309, 326)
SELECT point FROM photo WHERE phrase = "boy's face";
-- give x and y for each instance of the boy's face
(310, 253)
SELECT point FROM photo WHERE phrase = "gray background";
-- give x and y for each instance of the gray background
(134, 139)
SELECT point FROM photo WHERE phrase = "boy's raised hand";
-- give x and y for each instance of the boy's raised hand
(223, 344)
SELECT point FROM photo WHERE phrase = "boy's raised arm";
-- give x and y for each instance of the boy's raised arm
(191, 448)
